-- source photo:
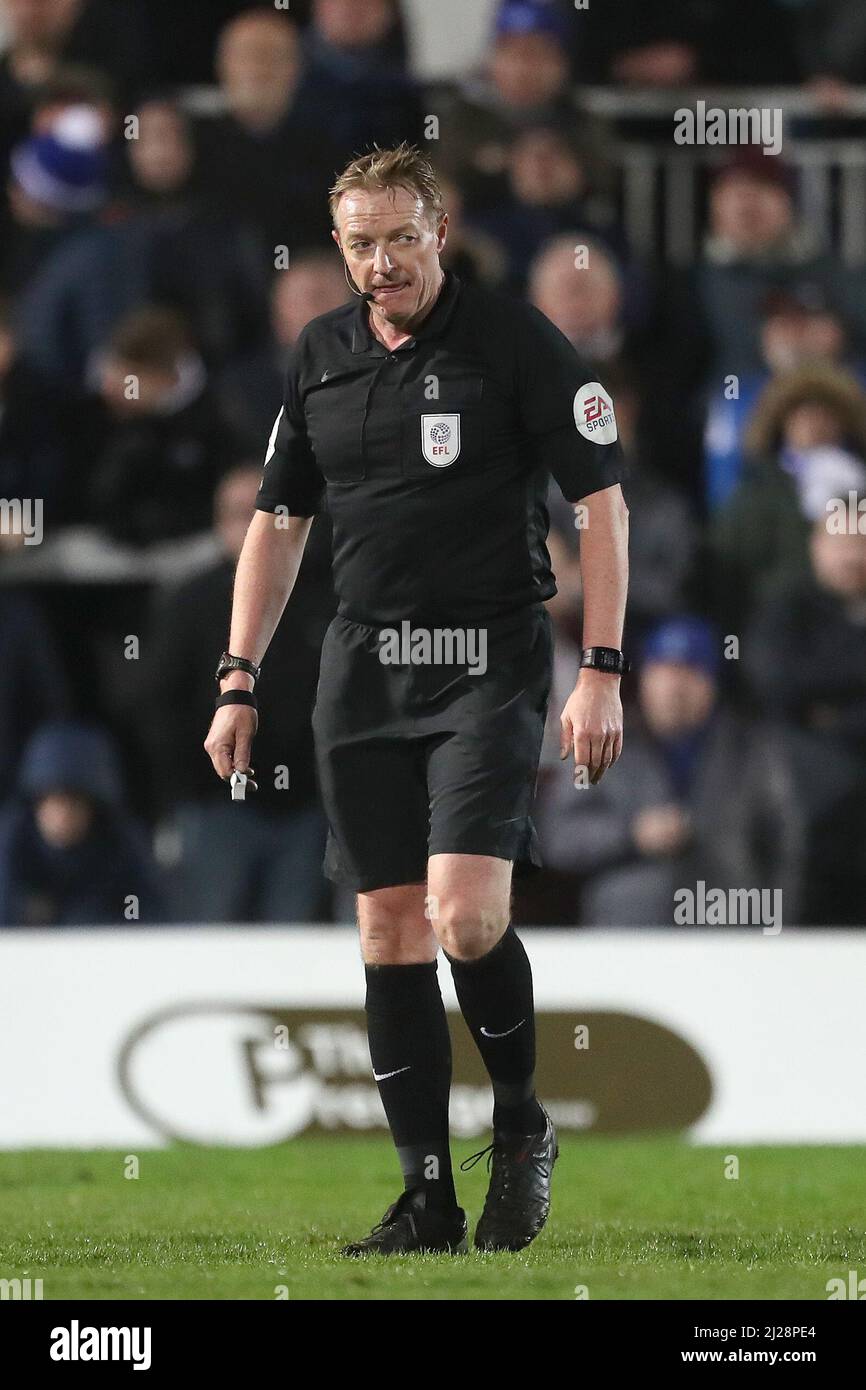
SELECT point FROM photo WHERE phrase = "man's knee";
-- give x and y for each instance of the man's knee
(393, 928)
(467, 931)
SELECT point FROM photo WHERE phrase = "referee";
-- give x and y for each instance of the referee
(427, 416)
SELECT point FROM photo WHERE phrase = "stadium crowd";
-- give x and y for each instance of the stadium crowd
(164, 223)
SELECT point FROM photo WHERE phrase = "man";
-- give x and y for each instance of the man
(265, 154)
(249, 385)
(699, 795)
(266, 865)
(431, 413)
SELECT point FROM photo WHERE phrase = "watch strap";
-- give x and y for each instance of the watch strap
(609, 659)
(228, 663)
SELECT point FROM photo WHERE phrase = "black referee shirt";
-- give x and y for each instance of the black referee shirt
(435, 458)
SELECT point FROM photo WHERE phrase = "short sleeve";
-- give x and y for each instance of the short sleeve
(569, 415)
(290, 476)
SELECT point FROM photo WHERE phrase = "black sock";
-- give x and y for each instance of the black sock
(495, 994)
(411, 1050)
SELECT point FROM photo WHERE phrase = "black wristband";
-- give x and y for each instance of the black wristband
(236, 697)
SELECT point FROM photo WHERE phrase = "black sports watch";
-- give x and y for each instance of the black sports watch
(608, 659)
(228, 663)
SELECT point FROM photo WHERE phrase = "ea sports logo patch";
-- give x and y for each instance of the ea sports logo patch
(594, 414)
(440, 439)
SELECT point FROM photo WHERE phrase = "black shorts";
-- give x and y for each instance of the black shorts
(415, 760)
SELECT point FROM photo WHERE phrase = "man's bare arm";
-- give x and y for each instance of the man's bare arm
(592, 718)
(266, 571)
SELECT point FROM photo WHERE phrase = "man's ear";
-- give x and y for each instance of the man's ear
(442, 233)
(336, 237)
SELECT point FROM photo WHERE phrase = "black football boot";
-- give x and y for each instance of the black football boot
(408, 1226)
(518, 1198)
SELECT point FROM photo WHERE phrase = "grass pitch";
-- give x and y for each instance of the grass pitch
(632, 1219)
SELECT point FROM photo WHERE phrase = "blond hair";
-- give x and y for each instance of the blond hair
(403, 167)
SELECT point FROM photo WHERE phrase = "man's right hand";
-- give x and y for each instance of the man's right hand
(229, 742)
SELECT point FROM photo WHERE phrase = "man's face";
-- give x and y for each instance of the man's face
(839, 560)
(392, 250)
(63, 818)
(130, 389)
(812, 425)
(528, 69)
(259, 63)
(675, 698)
(750, 213)
(544, 171)
(40, 21)
(304, 293)
(352, 23)
(162, 155)
(581, 302)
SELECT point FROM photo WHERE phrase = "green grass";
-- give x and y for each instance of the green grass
(632, 1219)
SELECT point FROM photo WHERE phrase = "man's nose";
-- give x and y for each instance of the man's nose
(382, 263)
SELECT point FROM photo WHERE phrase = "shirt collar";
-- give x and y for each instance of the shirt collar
(364, 340)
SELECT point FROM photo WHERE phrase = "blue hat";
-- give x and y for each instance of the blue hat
(688, 641)
(71, 755)
(65, 167)
(532, 17)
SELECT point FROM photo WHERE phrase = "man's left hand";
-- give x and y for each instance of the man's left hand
(591, 723)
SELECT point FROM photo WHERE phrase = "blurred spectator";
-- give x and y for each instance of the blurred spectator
(33, 682)
(264, 156)
(205, 263)
(806, 443)
(58, 181)
(165, 444)
(547, 194)
(34, 448)
(70, 854)
(111, 36)
(250, 389)
(661, 576)
(355, 87)
(755, 245)
(475, 257)
(162, 156)
(586, 301)
(525, 84)
(696, 795)
(672, 43)
(797, 327)
(805, 656)
(607, 313)
(260, 860)
(163, 244)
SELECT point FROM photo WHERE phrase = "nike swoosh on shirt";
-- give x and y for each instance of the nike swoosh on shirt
(488, 1034)
(386, 1074)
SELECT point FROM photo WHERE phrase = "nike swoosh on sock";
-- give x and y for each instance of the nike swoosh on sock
(488, 1034)
(386, 1074)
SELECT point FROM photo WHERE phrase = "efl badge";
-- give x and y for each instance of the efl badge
(593, 414)
(440, 439)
